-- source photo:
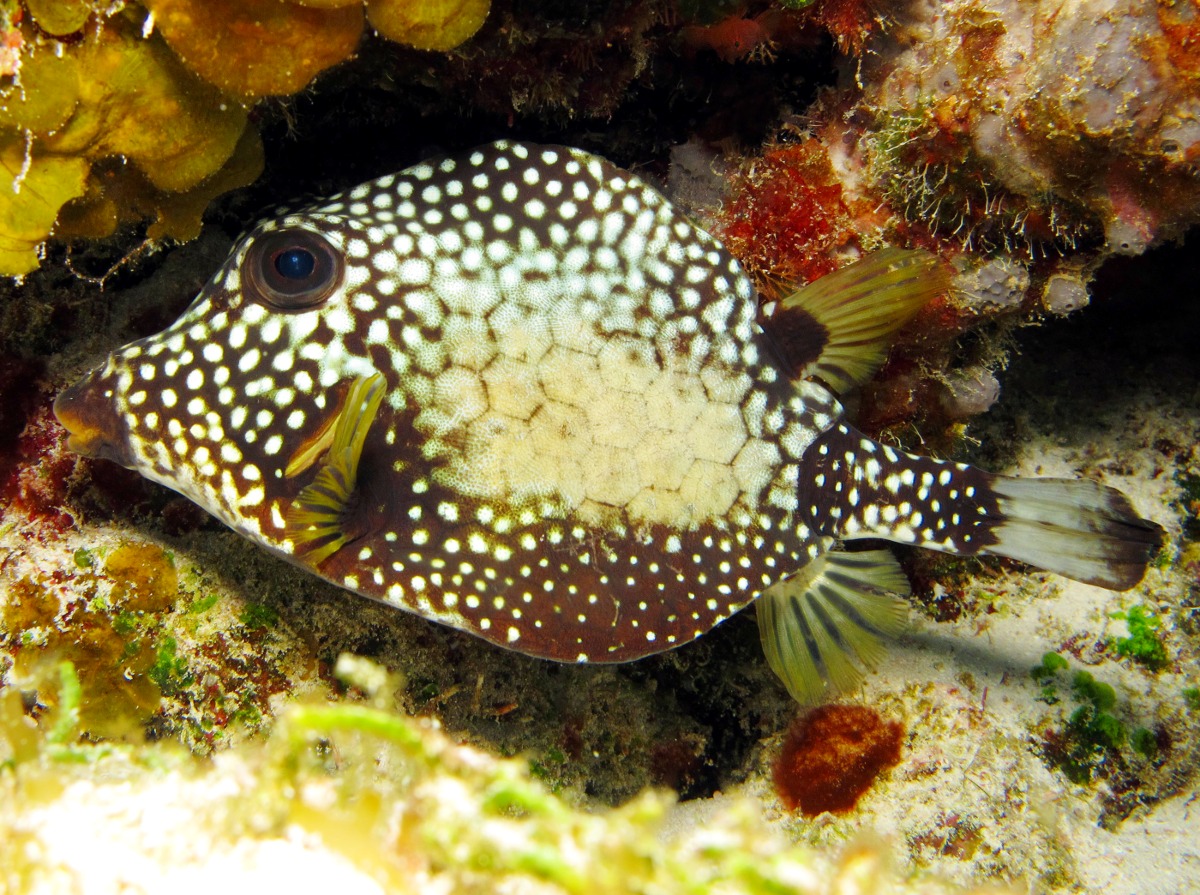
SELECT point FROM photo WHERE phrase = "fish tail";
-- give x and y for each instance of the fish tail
(1077, 528)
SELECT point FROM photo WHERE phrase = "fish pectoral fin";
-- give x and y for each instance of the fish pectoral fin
(838, 328)
(316, 520)
(310, 451)
(837, 609)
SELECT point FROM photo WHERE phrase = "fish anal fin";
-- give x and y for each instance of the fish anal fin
(318, 520)
(838, 328)
(820, 625)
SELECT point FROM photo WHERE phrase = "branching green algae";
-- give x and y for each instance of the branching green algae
(382, 800)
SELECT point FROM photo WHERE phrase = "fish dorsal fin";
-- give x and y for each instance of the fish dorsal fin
(319, 511)
(838, 328)
(835, 610)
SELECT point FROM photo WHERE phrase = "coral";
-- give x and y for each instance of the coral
(111, 113)
(359, 796)
(119, 193)
(112, 94)
(427, 26)
(832, 755)
(797, 210)
(254, 48)
(953, 128)
(1030, 128)
(924, 161)
(136, 100)
(61, 17)
(34, 189)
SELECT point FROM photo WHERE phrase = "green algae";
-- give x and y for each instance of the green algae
(1092, 740)
(170, 670)
(258, 615)
(1144, 643)
(202, 604)
(1191, 698)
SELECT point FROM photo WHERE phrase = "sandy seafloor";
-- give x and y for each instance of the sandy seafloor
(1111, 393)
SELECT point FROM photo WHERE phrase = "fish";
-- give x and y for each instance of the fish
(517, 392)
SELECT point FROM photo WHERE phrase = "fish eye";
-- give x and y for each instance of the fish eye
(292, 269)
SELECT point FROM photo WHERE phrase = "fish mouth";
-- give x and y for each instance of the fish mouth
(94, 428)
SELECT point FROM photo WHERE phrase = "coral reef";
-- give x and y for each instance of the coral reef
(123, 114)
(69, 114)
(1026, 144)
(241, 637)
(1005, 124)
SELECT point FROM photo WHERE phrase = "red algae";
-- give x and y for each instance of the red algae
(731, 39)
(786, 216)
(745, 37)
(34, 466)
(832, 755)
(850, 22)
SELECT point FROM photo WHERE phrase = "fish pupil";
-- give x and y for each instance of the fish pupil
(295, 263)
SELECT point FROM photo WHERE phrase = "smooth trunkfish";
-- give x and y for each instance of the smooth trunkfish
(517, 392)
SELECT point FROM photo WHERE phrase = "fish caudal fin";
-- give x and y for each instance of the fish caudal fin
(318, 514)
(820, 625)
(858, 488)
(838, 328)
(1080, 529)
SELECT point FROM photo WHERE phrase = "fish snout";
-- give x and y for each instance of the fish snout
(87, 409)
